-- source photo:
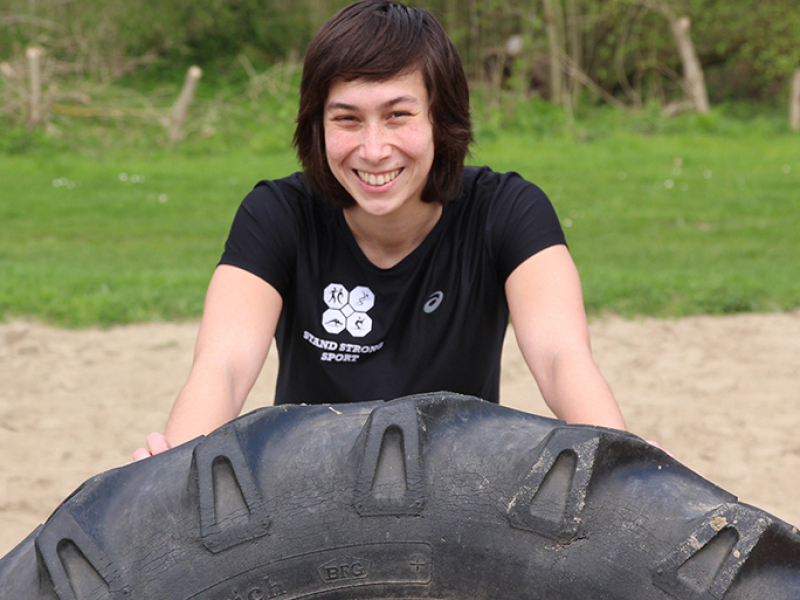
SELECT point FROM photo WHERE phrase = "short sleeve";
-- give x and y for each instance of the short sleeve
(263, 237)
(522, 222)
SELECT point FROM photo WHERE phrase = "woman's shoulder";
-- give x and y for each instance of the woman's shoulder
(290, 195)
(483, 185)
(293, 188)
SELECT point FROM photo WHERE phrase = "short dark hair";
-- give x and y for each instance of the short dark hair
(376, 40)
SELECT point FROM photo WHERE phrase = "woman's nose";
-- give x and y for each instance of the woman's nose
(375, 146)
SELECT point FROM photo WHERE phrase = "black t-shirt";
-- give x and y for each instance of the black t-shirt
(351, 331)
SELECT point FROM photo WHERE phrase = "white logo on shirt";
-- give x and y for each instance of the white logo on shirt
(433, 302)
(348, 310)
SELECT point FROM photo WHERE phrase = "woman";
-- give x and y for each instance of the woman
(386, 268)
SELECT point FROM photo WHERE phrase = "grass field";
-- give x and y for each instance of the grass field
(674, 224)
(671, 218)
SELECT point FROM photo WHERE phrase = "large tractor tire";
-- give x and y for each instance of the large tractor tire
(432, 496)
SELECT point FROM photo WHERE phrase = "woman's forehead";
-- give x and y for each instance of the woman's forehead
(406, 87)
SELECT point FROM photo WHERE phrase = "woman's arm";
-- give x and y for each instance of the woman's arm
(546, 304)
(239, 320)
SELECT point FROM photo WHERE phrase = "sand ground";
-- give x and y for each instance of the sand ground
(721, 393)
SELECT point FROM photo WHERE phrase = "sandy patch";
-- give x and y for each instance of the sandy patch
(721, 393)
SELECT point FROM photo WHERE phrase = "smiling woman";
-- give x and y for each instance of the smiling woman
(379, 140)
(386, 242)
(373, 42)
(379, 145)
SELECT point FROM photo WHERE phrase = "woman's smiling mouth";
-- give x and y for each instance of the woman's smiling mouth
(378, 179)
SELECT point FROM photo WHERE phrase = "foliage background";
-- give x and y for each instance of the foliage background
(749, 48)
(102, 222)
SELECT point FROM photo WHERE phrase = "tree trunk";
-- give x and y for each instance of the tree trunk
(692, 69)
(794, 103)
(575, 43)
(475, 39)
(451, 17)
(554, 23)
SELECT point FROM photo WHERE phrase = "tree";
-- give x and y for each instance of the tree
(557, 48)
(694, 79)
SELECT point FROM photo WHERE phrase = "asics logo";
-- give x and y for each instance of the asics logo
(433, 302)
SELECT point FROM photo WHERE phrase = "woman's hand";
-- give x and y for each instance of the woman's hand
(657, 445)
(156, 444)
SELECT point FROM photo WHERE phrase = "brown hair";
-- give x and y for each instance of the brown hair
(376, 40)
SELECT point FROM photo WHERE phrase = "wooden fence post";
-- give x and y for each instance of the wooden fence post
(794, 103)
(35, 109)
(181, 106)
(8, 74)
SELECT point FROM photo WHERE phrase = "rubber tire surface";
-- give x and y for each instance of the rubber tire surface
(433, 496)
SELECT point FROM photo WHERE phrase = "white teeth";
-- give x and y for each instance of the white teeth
(381, 179)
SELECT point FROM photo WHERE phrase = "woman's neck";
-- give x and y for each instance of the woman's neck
(387, 239)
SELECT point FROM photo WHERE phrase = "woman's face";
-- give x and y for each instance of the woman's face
(379, 141)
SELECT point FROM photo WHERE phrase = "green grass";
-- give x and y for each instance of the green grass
(673, 224)
(80, 246)
(697, 214)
